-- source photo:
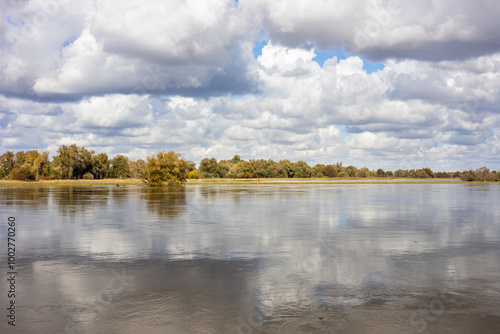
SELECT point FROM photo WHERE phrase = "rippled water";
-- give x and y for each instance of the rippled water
(290, 258)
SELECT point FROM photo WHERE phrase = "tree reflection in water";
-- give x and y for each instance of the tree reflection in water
(26, 198)
(167, 202)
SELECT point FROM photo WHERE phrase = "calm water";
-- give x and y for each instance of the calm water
(374, 258)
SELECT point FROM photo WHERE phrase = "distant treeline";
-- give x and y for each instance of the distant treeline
(74, 162)
(260, 168)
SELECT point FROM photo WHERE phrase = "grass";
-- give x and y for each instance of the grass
(325, 182)
(352, 180)
(41, 183)
(126, 182)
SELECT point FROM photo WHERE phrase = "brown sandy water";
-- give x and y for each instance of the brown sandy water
(294, 258)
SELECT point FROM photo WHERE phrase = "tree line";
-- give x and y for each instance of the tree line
(74, 162)
(260, 168)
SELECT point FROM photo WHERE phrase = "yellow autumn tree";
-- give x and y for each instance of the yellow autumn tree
(166, 168)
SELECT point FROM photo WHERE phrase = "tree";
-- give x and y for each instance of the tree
(468, 175)
(421, 174)
(243, 170)
(30, 165)
(428, 171)
(223, 168)
(380, 172)
(330, 171)
(137, 168)
(191, 165)
(100, 166)
(302, 169)
(401, 173)
(235, 159)
(209, 168)
(7, 161)
(38, 163)
(119, 167)
(259, 168)
(286, 167)
(276, 170)
(166, 168)
(363, 172)
(71, 162)
(318, 168)
(351, 171)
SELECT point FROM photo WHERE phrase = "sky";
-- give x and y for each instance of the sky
(378, 83)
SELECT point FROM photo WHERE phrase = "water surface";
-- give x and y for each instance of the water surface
(289, 258)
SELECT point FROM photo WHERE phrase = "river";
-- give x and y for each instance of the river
(268, 258)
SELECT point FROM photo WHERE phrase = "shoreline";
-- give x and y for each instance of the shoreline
(270, 181)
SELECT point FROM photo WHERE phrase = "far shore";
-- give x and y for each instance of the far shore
(136, 182)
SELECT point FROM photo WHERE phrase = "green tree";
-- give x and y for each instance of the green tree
(72, 162)
(302, 169)
(318, 168)
(191, 165)
(7, 161)
(209, 168)
(235, 159)
(286, 167)
(259, 168)
(100, 166)
(401, 173)
(223, 168)
(119, 167)
(166, 168)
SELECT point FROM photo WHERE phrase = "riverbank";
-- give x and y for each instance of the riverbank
(135, 182)
(41, 183)
(322, 181)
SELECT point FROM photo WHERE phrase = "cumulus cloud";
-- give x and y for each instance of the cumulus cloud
(381, 29)
(131, 47)
(135, 77)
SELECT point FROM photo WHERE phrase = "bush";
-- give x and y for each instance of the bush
(320, 176)
(21, 173)
(88, 176)
(343, 174)
(166, 168)
(193, 175)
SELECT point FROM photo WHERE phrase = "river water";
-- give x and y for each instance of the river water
(289, 258)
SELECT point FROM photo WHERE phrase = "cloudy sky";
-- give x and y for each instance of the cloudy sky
(376, 83)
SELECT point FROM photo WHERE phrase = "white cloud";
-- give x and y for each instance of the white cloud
(134, 77)
(113, 111)
(175, 47)
(389, 28)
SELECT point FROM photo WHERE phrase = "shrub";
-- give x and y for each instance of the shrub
(343, 174)
(88, 176)
(21, 173)
(193, 174)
